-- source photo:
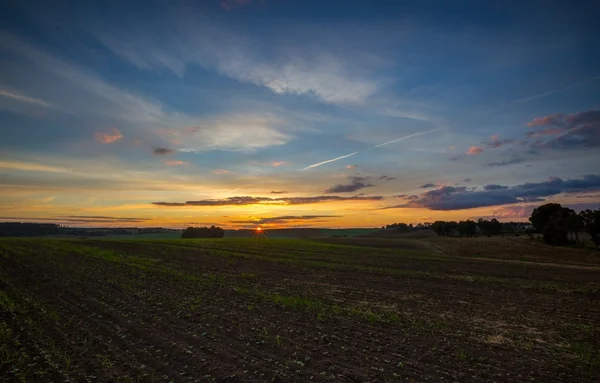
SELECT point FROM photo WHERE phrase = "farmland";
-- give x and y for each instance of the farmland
(297, 310)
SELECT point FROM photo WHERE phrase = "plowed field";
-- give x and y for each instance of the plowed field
(257, 310)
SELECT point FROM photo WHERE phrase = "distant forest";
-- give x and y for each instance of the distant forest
(558, 225)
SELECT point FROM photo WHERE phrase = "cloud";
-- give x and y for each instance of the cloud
(508, 162)
(304, 61)
(85, 95)
(473, 150)
(496, 142)
(457, 198)
(278, 192)
(386, 178)
(351, 166)
(541, 121)
(427, 186)
(567, 131)
(356, 183)
(467, 180)
(77, 219)
(246, 200)
(20, 97)
(220, 171)
(494, 187)
(108, 138)
(278, 163)
(31, 166)
(176, 163)
(284, 219)
(162, 151)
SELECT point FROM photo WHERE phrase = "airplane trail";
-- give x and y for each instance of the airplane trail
(328, 161)
(371, 148)
(547, 93)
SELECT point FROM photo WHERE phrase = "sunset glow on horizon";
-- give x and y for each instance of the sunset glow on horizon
(265, 114)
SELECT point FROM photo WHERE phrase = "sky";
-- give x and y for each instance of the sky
(287, 113)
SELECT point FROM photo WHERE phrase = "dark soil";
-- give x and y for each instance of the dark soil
(254, 311)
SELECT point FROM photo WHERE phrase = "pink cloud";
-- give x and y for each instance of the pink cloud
(351, 166)
(278, 163)
(473, 150)
(137, 142)
(496, 142)
(220, 171)
(176, 163)
(451, 147)
(108, 138)
(546, 132)
(547, 120)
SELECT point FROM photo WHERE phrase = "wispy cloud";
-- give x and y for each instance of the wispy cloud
(242, 201)
(220, 171)
(176, 163)
(109, 138)
(284, 219)
(30, 166)
(278, 163)
(20, 97)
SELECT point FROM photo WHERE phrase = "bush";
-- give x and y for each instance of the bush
(203, 232)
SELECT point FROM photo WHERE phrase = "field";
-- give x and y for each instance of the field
(254, 310)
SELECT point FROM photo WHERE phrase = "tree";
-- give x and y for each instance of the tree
(467, 228)
(490, 227)
(438, 227)
(203, 232)
(590, 220)
(540, 217)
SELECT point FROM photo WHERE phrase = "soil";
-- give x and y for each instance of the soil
(289, 311)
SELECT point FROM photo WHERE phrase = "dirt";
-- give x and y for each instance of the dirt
(262, 310)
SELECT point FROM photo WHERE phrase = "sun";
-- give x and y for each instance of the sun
(259, 228)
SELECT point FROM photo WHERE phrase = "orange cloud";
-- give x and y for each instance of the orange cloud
(107, 138)
(473, 150)
(350, 166)
(175, 163)
(220, 171)
(495, 137)
(277, 163)
(451, 147)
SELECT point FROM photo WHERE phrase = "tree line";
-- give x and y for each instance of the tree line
(203, 232)
(558, 225)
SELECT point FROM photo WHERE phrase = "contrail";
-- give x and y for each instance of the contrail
(328, 161)
(402, 138)
(371, 148)
(548, 93)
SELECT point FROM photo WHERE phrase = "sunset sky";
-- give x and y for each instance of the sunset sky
(296, 112)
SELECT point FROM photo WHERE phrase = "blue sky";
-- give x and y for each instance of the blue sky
(109, 107)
